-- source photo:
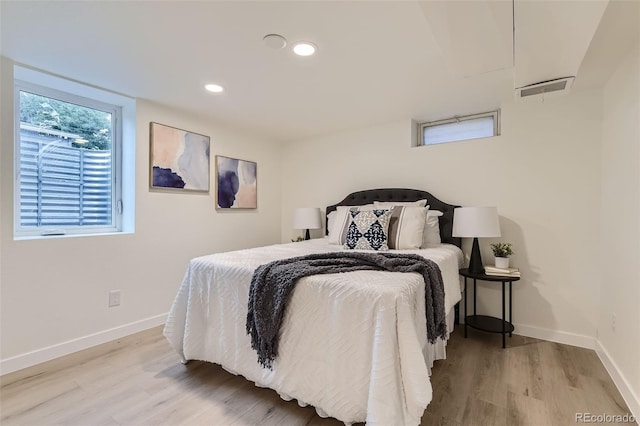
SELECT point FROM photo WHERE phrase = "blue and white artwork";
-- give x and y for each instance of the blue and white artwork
(179, 159)
(236, 183)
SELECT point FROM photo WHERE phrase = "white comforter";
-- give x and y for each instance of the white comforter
(352, 345)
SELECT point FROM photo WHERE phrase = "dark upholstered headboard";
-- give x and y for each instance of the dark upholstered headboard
(400, 194)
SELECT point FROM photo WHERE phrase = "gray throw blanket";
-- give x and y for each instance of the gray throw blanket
(272, 284)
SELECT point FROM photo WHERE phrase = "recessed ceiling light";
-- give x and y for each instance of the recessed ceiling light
(304, 48)
(215, 88)
(275, 41)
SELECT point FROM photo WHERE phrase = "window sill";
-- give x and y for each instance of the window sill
(50, 237)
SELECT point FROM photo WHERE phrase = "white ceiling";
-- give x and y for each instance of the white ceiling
(552, 37)
(378, 61)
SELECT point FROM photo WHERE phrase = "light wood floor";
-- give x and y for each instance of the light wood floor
(140, 381)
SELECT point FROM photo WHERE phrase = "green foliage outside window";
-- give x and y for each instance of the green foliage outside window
(92, 126)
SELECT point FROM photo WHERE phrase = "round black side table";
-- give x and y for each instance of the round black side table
(485, 322)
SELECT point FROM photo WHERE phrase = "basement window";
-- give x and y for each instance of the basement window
(74, 173)
(454, 129)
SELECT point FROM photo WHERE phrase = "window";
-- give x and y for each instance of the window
(455, 129)
(69, 160)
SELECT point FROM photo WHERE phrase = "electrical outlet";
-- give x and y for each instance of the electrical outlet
(613, 320)
(114, 298)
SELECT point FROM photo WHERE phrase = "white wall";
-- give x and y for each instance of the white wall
(620, 223)
(543, 174)
(56, 290)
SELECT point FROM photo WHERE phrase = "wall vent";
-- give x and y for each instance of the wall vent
(558, 86)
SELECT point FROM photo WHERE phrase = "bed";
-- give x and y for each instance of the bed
(352, 345)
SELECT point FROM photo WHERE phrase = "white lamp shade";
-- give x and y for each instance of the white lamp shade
(470, 222)
(307, 218)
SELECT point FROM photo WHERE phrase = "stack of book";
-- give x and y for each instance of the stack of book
(501, 272)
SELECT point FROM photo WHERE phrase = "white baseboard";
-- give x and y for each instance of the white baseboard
(627, 392)
(49, 353)
(572, 339)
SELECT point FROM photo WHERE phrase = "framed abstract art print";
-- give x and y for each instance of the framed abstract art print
(179, 159)
(236, 183)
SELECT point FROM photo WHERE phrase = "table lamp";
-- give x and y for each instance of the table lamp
(476, 222)
(306, 218)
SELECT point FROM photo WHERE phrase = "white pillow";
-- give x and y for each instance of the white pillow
(339, 223)
(431, 234)
(331, 218)
(406, 227)
(390, 204)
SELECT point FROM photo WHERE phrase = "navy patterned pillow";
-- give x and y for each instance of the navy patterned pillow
(368, 230)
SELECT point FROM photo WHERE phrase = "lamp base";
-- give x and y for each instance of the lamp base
(307, 235)
(475, 262)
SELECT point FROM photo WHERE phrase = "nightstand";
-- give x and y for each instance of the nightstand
(485, 322)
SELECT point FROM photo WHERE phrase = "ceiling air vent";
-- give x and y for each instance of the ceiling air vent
(549, 88)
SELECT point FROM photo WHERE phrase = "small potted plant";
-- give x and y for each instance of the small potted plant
(502, 251)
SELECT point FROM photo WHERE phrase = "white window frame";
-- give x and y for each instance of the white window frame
(457, 119)
(123, 159)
